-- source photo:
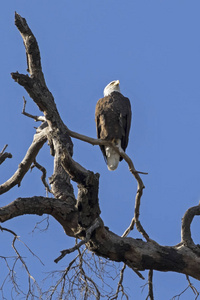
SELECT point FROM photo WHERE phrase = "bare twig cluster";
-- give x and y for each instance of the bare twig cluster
(190, 286)
(11, 264)
(78, 277)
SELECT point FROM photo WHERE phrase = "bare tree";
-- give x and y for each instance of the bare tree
(80, 218)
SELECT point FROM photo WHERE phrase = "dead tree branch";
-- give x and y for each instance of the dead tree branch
(58, 129)
(24, 166)
(36, 118)
(190, 285)
(132, 169)
(142, 255)
(150, 284)
(120, 287)
(86, 209)
(4, 155)
(44, 173)
(80, 217)
(89, 232)
(196, 293)
(62, 280)
(186, 237)
(86, 279)
(19, 258)
(64, 212)
(3, 150)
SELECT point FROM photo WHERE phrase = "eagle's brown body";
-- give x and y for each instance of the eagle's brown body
(113, 119)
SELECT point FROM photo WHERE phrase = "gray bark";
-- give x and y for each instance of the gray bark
(80, 217)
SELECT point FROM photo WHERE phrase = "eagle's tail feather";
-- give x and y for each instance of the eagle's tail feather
(112, 156)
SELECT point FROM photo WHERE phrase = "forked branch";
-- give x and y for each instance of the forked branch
(132, 169)
(89, 232)
(4, 155)
(24, 166)
(36, 118)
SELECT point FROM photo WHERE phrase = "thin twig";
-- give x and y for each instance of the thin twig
(4, 148)
(38, 223)
(19, 257)
(5, 155)
(23, 262)
(87, 278)
(192, 287)
(131, 226)
(120, 287)
(150, 284)
(17, 237)
(43, 177)
(89, 232)
(62, 277)
(8, 230)
(130, 264)
(36, 118)
(70, 250)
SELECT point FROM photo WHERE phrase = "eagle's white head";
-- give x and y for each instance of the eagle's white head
(113, 86)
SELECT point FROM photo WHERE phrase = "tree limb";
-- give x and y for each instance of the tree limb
(36, 118)
(44, 173)
(32, 49)
(4, 155)
(64, 212)
(132, 169)
(89, 232)
(77, 217)
(39, 93)
(186, 236)
(150, 284)
(120, 287)
(134, 253)
(38, 141)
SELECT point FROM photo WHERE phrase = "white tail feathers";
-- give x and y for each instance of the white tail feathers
(112, 157)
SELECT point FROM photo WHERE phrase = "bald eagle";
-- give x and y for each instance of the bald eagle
(113, 121)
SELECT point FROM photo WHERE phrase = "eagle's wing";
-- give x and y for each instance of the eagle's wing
(126, 123)
(100, 121)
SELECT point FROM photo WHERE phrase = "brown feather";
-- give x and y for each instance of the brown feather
(113, 119)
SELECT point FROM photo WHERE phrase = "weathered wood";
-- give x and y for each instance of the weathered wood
(24, 166)
(78, 215)
(136, 253)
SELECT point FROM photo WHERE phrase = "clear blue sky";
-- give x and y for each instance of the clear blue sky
(153, 48)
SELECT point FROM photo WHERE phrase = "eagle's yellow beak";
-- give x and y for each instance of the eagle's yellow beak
(117, 82)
